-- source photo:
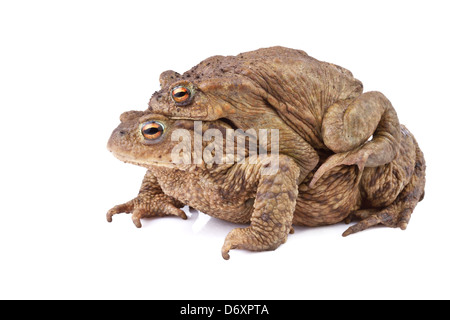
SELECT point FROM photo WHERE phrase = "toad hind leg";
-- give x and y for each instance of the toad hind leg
(399, 212)
(347, 126)
(273, 211)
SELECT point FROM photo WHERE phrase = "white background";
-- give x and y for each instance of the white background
(69, 68)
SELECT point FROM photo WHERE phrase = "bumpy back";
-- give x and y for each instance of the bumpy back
(299, 87)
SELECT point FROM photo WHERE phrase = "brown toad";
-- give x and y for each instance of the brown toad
(241, 192)
(317, 106)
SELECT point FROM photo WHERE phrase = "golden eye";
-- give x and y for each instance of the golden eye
(152, 130)
(181, 94)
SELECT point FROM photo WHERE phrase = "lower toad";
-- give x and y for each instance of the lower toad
(241, 191)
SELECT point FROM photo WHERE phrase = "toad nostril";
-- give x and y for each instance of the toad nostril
(122, 132)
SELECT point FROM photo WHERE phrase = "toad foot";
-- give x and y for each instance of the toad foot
(373, 217)
(357, 157)
(138, 212)
(248, 239)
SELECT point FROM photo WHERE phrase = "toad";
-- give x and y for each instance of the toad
(241, 192)
(318, 107)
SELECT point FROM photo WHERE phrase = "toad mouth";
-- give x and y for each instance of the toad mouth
(142, 163)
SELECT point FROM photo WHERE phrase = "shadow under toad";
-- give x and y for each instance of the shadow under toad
(204, 224)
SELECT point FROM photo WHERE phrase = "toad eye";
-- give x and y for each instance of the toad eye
(181, 94)
(152, 130)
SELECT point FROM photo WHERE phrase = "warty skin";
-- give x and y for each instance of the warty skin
(270, 204)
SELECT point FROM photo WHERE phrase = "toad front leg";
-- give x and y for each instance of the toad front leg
(273, 210)
(150, 202)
